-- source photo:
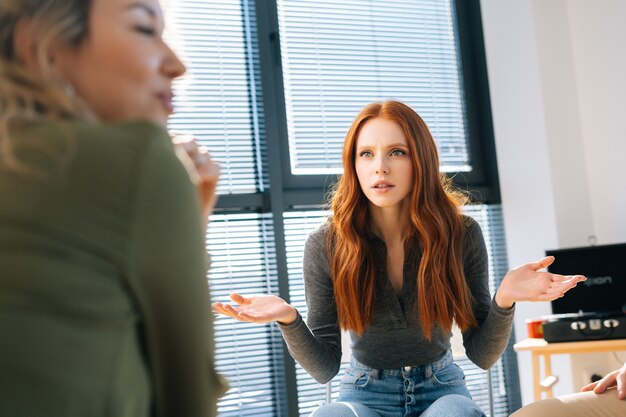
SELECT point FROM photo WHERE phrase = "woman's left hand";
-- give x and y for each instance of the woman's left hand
(203, 170)
(529, 283)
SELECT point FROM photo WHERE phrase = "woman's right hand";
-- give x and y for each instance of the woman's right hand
(258, 309)
(612, 379)
(203, 171)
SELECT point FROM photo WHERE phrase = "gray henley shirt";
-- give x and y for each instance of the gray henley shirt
(394, 338)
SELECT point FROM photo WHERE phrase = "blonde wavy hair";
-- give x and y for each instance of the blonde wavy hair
(30, 96)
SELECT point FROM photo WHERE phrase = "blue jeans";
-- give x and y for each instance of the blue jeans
(433, 390)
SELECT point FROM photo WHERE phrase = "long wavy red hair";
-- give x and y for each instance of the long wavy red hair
(435, 222)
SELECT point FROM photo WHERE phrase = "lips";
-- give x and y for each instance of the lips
(383, 185)
(167, 99)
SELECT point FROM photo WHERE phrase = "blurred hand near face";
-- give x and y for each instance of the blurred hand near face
(203, 170)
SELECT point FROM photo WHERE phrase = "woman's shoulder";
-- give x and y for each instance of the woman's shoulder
(110, 154)
(83, 135)
(320, 233)
(470, 223)
(473, 235)
(127, 145)
(316, 248)
(317, 240)
(135, 133)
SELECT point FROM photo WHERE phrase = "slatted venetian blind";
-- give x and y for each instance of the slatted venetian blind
(338, 56)
(219, 102)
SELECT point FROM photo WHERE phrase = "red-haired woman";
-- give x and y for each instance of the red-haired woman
(396, 265)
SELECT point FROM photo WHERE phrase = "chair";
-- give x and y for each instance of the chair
(346, 354)
(458, 350)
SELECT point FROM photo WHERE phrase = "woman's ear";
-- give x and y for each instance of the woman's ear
(24, 44)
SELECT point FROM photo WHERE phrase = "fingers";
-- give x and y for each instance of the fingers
(233, 312)
(227, 309)
(224, 309)
(557, 290)
(589, 387)
(237, 313)
(606, 382)
(543, 263)
(186, 140)
(566, 285)
(240, 299)
(208, 168)
(621, 383)
(564, 278)
(600, 388)
(187, 143)
(203, 170)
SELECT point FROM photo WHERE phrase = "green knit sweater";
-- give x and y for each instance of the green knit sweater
(104, 303)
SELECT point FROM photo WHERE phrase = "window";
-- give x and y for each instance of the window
(244, 261)
(218, 99)
(271, 89)
(338, 56)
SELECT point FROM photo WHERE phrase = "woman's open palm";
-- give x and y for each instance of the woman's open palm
(257, 309)
(529, 283)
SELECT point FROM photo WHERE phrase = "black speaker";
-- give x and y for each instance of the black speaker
(605, 288)
(584, 326)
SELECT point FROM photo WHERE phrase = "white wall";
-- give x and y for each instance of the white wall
(557, 75)
(598, 38)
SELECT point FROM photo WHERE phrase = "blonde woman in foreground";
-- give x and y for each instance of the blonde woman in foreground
(104, 305)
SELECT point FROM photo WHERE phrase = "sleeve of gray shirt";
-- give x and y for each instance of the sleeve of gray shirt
(484, 344)
(316, 344)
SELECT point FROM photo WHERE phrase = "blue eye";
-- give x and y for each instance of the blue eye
(398, 152)
(365, 154)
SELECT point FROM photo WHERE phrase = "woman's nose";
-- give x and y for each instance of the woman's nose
(382, 168)
(172, 65)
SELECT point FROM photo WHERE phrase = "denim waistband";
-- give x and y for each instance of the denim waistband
(427, 370)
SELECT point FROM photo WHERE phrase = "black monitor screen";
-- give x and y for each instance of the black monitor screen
(605, 269)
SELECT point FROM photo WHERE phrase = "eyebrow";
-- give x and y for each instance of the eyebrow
(143, 6)
(393, 145)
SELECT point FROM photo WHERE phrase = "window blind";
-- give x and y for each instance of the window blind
(492, 224)
(248, 354)
(219, 102)
(298, 225)
(338, 56)
(219, 99)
